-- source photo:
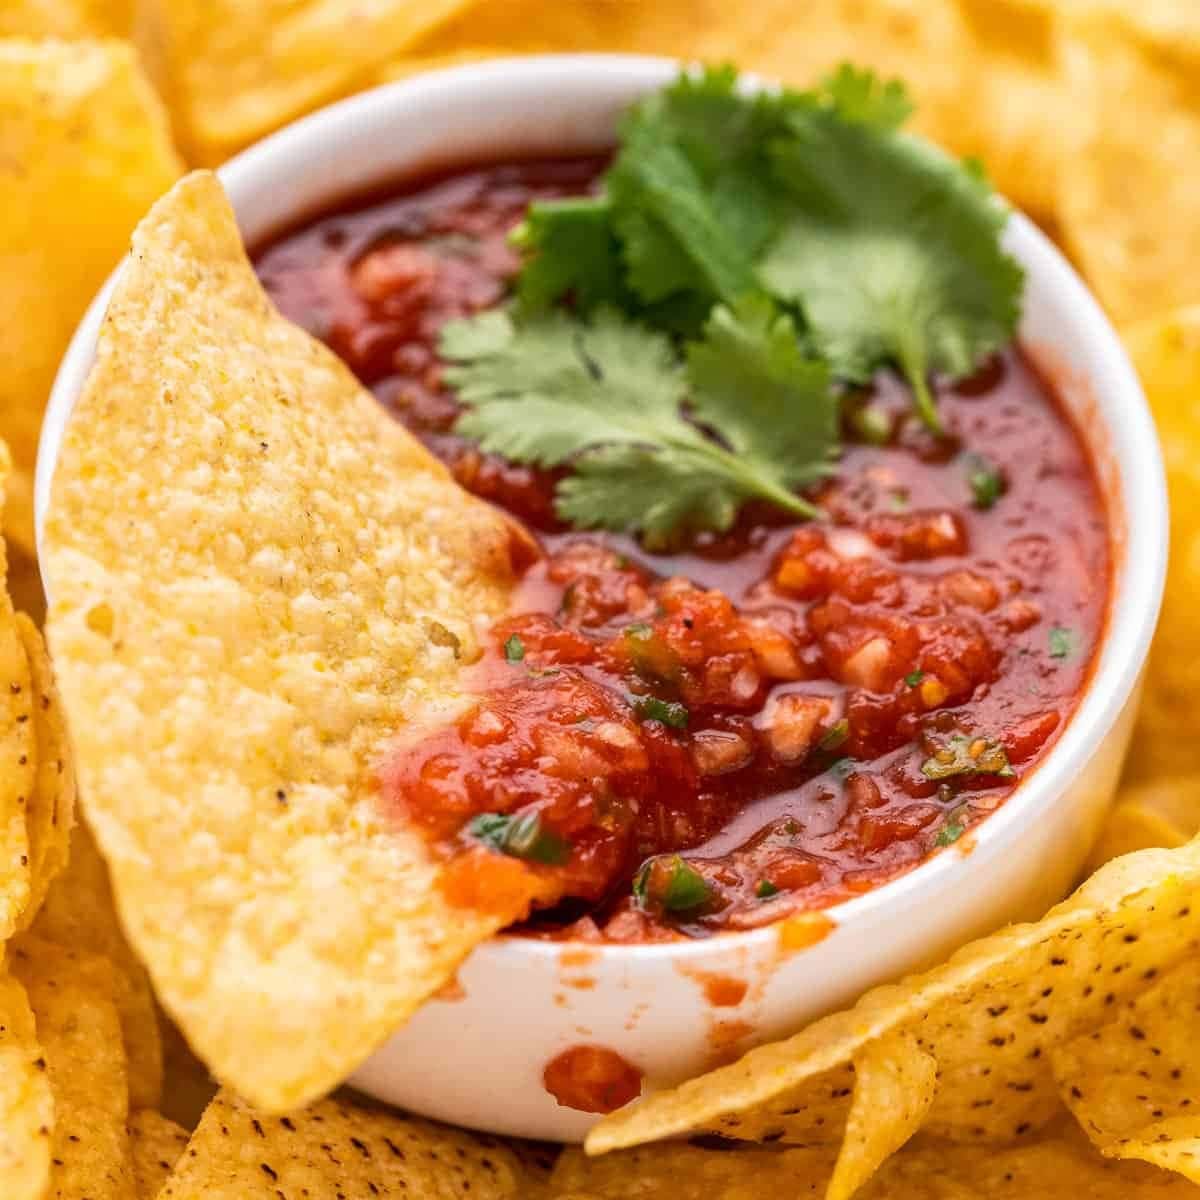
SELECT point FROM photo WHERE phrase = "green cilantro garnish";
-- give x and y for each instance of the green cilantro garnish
(766, 889)
(521, 836)
(950, 832)
(719, 208)
(607, 397)
(514, 649)
(913, 678)
(576, 254)
(669, 712)
(668, 881)
(892, 253)
(1063, 642)
(967, 755)
(985, 481)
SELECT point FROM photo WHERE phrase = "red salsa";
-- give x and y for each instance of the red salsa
(762, 722)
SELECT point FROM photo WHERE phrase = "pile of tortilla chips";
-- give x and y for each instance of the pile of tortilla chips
(1053, 1059)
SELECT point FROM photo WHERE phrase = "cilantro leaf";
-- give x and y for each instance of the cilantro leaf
(694, 201)
(861, 96)
(750, 381)
(893, 252)
(606, 397)
(569, 247)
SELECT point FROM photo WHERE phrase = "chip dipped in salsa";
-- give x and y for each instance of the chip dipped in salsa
(793, 617)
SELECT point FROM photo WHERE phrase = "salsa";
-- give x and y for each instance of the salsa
(716, 734)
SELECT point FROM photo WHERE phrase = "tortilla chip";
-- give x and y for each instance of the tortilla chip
(927, 1169)
(18, 749)
(79, 913)
(332, 1149)
(66, 18)
(1134, 1084)
(236, 71)
(72, 997)
(85, 146)
(894, 1085)
(156, 1143)
(1163, 812)
(1166, 740)
(1014, 106)
(26, 1105)
(50, 811)
(986, 1017)
(1140, 88)
(247, 557)
(921, 40)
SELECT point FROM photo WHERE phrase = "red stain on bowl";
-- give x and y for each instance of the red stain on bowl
(592, 1079)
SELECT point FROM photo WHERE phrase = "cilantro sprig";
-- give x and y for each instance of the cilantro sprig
(677, 339)
(608, 397)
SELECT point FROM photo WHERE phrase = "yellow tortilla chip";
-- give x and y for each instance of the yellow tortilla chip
(1128, 209)
(1048, 1167)
(234, 660)
(921, 40)
(18, 749)
(25, 584)
(334, 1148)
(236, 71)
(50, 811)
(26, 1105)
(894, 1084)
(84, 149)
(988, 1018)
(1166, 741)
(156, 1143)
(1134, 1084)
(1162, 812)
(78, 912)
(66, 18)
(72, 997)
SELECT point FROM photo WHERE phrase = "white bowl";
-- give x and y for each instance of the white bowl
(477, 1059)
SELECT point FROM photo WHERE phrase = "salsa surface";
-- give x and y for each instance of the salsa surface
(761, 722)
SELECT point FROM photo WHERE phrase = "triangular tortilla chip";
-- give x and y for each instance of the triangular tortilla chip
(26, 1105)
(253, 572)
(336, 1149)
(72, 997)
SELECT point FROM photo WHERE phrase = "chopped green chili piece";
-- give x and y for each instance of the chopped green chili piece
(913, 678)
(639, 631)
(766, 889)
(967, 756)
(986, 482)
(1062, 642)
(835, 735)
(671, 882)
(514, 649)
(520, 836)
(669, 712)
(951, 831)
